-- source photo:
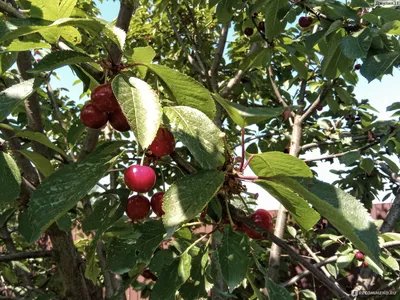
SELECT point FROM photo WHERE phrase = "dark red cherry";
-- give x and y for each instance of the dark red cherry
(103, 98)
(92, 117)
(137, 207)
(163, 144)
(156, 203)
(118, 121)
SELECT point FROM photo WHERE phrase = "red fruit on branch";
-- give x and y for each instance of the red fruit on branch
(305, 21)
(263, 219)
(103, 98)
(140, 179)
(248, 31)
(92, 117)
(320, 107)
(360, 256)
(137, 207)
(163, 144)
(156, 203)
(118, 121)
(261, 26)
(357, 67)
(147, 274)
(365, 264)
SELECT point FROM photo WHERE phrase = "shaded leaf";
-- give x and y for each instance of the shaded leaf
(58, 59)
(10, 178)
(197, 132)
(358, 44)
(245, 116)
(378, 65)
(186, 198)
(233, 256)
(167, 283)
(40, 138)
(277, 292)
(61, 191)
(41, 163)
(185, 90)
(274, 17)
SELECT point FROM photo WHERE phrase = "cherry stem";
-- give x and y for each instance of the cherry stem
(242, 162)
(229, 214)
(245, 204)
(162, 176)
(250, 178)
(142, 160)
(247, 162)
(199, 240)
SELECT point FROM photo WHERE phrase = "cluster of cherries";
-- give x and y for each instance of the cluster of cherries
(361, 257)
(141, 179)
(104, 108)
(304, 22)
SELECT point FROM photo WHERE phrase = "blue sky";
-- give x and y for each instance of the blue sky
(381, 94)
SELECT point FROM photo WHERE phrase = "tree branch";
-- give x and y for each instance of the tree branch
(314, 105)
(25, 255)
(307, 272)
(180, 41)
(342, 154)
(213, 72)
(9, 10)
(238, 216)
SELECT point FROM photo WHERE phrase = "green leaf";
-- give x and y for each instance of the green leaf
(58, 59)
(185, 90)
(233, 256)
(11, 97)
(368, 165)
(51, 10)
(342, 210)
(297, 206)
(123, 255)
(141, 107)
(6, 61)
(198, 133)
(350, 158)
(272, 164)
(343, 95)
(167, 283)
(389, 14)
(107, 210)
(185, 265)
(358, 44)
(15, 28)
(186, 198)
(261, 58)
(64, 223)
(277, 292)
(274, 17)
(245, 116)
(344, 260)
(392, 27)
(61, 191)
(335, 61)
(297, 65)
(143, 55)
(18, 45)
(10, 178)
(41, 163)
(392, 165)
(390, 261)
(40, 138)
(378, 65)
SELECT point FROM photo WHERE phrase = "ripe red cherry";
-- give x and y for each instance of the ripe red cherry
(305, 21)
(140, 179)
(163, 144)
(365, 264)
(137, 207)
(261, 26)
(156, 203)
(248, 31)
(149, 275)
(118, 121)
(360, 256)
(103, 98)
(263, 219)
(92, 117)
(357, 67)
(320, 107)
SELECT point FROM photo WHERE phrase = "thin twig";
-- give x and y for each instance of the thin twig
(26, 255)
(314, 105)
(213, 72)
